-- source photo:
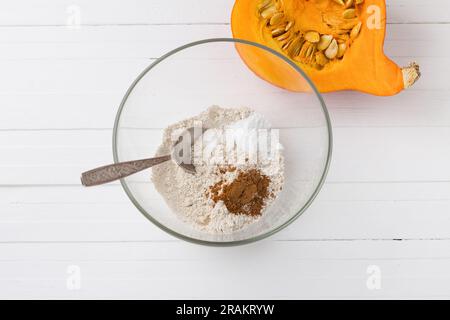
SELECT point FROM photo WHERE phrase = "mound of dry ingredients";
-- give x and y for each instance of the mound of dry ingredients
(220, 197)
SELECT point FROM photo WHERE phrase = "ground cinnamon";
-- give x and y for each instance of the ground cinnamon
(245, 195)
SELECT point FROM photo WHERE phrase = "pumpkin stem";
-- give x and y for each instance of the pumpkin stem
(411, 74)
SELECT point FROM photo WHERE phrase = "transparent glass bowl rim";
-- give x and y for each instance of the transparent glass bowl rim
(234, 242)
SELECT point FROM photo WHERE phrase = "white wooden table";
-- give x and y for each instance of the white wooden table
(380, 228)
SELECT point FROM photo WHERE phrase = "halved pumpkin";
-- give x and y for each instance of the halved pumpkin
(338, 43)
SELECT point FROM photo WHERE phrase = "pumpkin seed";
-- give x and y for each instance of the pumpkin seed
(342, 47)
(269, 12)
(341, 2)
(348, 3)
(332, 50)
(286, 45)
(264, 5)
(324, 42)
(276, 18)
(355, 31)
(289, 25)
(284, 36)
(321, 59)
(312, 36)
(349, 13)
(278, 32)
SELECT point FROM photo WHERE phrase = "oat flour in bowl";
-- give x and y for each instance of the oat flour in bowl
(237, 177)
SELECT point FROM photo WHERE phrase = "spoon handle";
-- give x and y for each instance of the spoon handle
(117, 171)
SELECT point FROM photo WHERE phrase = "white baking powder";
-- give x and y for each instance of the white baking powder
(233, 139)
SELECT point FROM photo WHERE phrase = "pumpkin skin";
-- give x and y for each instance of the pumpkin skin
(364, 67)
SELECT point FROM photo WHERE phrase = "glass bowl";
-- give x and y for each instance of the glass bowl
(185, 82)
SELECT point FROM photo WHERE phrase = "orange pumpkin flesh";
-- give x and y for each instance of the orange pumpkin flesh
(363, 67)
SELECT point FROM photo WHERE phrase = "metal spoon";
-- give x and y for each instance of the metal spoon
(121, 170)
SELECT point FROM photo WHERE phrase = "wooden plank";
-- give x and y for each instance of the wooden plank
(342, 212)
(69, 12)
(140, 42)
(179, 270)
(98, 110)
(101, 12)
(90, 76)
(102, 42)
